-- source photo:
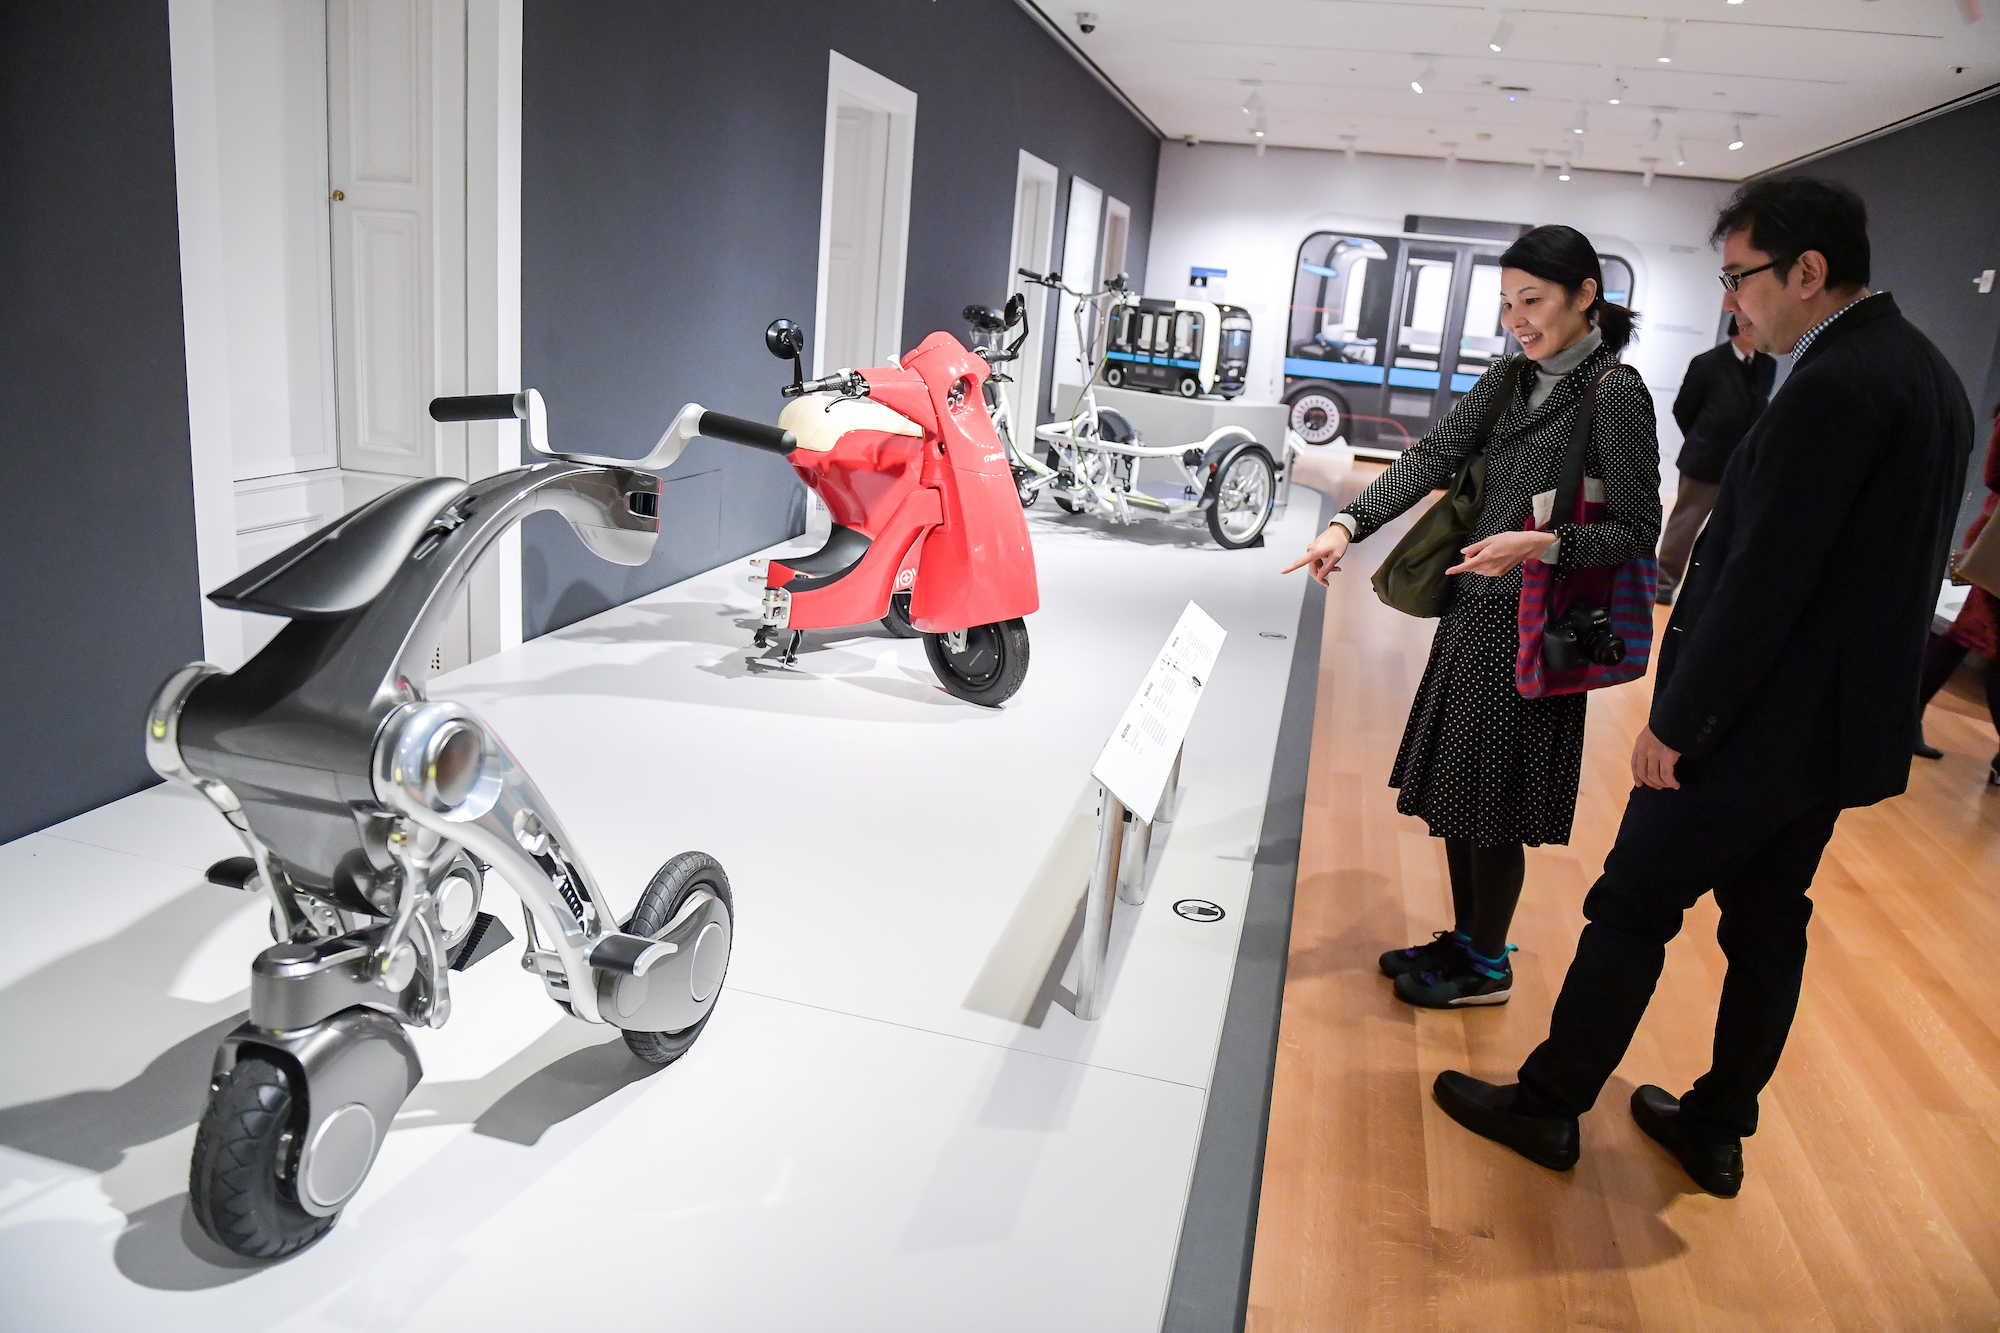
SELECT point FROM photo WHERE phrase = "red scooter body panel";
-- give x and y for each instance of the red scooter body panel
(950, 491)
(979, 566)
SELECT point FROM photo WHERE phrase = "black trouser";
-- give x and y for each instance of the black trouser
(1941, 657)
(1758, 850)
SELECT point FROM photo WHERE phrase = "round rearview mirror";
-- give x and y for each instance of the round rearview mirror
(786, 340)
(1017, 307)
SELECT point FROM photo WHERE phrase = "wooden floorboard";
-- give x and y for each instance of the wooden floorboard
(1873, 1192)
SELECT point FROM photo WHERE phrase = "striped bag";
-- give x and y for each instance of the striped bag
(1624, 591)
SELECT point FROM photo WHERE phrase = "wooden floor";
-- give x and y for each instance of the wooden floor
(1873, 1191)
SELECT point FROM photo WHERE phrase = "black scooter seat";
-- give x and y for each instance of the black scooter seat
(345, 565)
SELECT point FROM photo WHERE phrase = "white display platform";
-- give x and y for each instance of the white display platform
(891, 1122)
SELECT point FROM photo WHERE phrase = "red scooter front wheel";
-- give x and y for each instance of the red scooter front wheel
(983, 665)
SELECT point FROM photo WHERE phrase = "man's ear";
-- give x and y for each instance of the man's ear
(1811, 269)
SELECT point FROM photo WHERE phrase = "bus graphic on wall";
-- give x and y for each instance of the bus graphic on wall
(1389, 331)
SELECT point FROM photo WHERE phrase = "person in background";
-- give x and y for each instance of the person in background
(1786, 688)
(1721, 394)
(1488, 770)
(1977, 629)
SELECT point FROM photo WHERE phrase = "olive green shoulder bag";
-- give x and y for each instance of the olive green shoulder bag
(1413, 578)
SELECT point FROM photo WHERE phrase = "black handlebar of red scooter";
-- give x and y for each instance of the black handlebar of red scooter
(737, 430)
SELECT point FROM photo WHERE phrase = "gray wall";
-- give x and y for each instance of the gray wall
(1933, 193)
(96, 489)
(671, 165)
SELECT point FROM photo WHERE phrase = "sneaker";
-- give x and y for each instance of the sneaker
(1446, 947)
(1468, 981)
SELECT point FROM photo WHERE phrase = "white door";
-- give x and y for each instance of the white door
(1079, 273)
(1034, 250)
(854, 253)
(396, 162)
(864, 217)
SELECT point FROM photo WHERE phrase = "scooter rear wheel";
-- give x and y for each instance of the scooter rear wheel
(990, 666)
(1244, 495)
(897, 622)
(677, 881)
(242, 1180)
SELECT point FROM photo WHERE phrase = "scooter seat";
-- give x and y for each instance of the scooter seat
(1114, 427)
(346, 564)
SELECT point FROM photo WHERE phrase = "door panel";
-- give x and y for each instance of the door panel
(854, 254)
(380, 160)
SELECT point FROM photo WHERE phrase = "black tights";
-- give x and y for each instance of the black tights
(1941, 657)
(1485, 886)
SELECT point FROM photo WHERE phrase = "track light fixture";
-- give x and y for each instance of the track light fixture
(1258, 129)
(1654, 135)
(1502, 34)
(1541, 164)
(1736, 137)
(1348, 141)
(1582, 120)
(1618, 91)
(1650, 164)
(1425, 76)
(1670, 38)
(1450, 155)
(1680, 153)
(1253, 103)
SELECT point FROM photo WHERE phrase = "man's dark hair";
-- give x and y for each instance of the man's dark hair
(1793, 214)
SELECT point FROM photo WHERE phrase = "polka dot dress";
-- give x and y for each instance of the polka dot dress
(1478, 761)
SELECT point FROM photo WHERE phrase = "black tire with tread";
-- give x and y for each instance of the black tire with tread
(663, 897)
(245, 1157)
(897, 622)
(995, 686)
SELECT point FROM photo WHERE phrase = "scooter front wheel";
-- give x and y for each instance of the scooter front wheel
(678, 880)
(243, 1181)
(897, 622)
(983, 665)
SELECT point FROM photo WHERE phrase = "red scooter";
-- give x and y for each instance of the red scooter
(928, 535)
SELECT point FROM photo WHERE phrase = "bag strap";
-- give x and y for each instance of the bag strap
(1570, 483)
(1510, 380)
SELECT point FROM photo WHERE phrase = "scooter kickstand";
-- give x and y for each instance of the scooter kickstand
(791, 654)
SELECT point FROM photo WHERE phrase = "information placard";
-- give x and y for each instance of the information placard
(1140, 753)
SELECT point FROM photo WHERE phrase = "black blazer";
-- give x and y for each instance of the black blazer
(1720, 396)
(1793, 654)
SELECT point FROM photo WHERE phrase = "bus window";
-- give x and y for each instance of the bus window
(1426, 297)
(1187, 335)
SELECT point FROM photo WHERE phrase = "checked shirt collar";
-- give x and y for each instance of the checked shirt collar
(1812, 333)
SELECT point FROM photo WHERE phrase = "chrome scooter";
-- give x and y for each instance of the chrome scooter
(372, 815)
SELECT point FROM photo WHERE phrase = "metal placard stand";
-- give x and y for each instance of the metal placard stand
(1123, 843)
(1140, 769)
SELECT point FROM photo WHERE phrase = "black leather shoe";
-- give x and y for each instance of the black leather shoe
(1716, 1166)
(1925, 750)
(1486, 1110)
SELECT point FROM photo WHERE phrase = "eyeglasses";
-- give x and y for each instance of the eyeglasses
(1731, 281)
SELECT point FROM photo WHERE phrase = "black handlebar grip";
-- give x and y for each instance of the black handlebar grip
(736, 430)
(478, 407)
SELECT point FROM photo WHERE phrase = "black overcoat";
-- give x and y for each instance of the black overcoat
(1793, 655)
(1719, 398)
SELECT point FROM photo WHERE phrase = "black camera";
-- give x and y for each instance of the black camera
(1582, 636)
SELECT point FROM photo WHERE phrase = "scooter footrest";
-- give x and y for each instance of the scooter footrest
(487, 936)
(631, 955)
(234, 872)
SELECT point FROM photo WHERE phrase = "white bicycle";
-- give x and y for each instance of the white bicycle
(1094, 457)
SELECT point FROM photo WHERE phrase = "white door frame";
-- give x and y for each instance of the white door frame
(486, 84)
(856, 85)
(1026, 405)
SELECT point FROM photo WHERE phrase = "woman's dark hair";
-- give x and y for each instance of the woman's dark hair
(1793, 214)
(1565, 256)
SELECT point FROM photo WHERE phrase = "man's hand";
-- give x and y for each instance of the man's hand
(1653, 763)
(1324, 554)
(1500, 553)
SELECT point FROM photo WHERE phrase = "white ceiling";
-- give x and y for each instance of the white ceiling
(1796, 75)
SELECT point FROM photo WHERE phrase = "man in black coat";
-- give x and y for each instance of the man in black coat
(1721, 394)
(1787, 688)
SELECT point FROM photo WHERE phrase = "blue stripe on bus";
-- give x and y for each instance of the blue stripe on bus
(1332, 370)
(1153, 360)
(1460, 383)
(1413, 379)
